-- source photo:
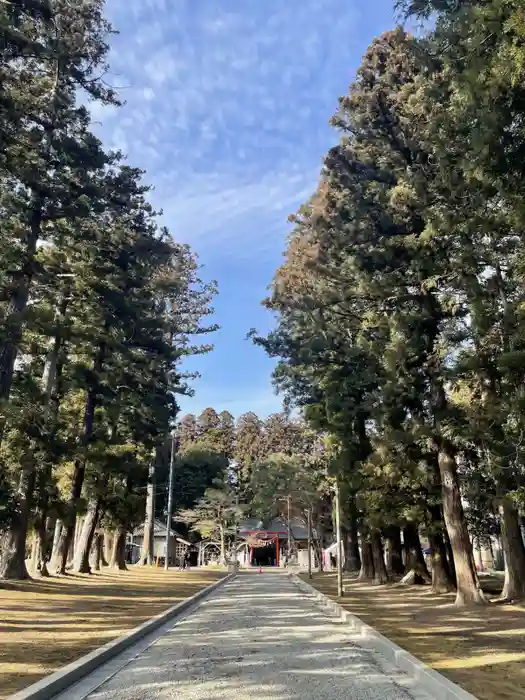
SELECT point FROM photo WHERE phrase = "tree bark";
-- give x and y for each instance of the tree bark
(40, 547)
(95, 555)
(450, 556)
(394, 564)
(318, 545)
(416, 568)
(13, 540)
(443, 577)
(35, 554)
(442, 581)
(107, 548)
(44, 531)
(77, 480)
(147, 554)
(352, 555)
(54, 548)
(118, 554)
(513, 551)
(17, 304)
(468, 588)
(85, 540)
(380, 572)
(367, 560)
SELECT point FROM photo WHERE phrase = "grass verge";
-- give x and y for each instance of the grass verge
(480, 649)
(47, 623)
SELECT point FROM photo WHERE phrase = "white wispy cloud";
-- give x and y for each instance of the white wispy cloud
(219, 100)
(227, 105)
(219, 210)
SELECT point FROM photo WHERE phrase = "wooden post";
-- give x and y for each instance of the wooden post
(340, 591)
(277, 561)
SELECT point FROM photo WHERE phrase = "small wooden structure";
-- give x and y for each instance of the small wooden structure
(178, 546)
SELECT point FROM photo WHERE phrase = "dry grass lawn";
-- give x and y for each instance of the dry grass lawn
(481, 649)
(47, 623)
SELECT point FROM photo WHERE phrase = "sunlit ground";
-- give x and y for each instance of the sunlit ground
(481, 649)
(47, 623)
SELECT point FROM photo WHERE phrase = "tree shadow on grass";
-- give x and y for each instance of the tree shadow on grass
(47, 623)
(480, 648)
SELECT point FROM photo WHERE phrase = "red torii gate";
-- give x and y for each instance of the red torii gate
(264, 537)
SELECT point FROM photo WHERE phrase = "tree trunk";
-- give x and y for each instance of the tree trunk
(13, 541)
(112, 559)
(443, 577)
(55, 546)
(468, 589)
(44, 531)
(40, 547)
(118, 555)
(352, 556)
(15, 311)
(367, 560)
(450, 556)
(513, 551)
(416, 568)
(85, 539)
(108, 548)
(394, 563)
(380, 572)
(442, 581)
(148, 541)
(318, 544)
(35, 554)
(77, 480)
(95, 556)
(79, 522)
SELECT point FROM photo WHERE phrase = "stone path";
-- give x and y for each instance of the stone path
(257, 638)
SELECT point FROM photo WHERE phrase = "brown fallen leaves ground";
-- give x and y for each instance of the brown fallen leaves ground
(481, 649)
(47, 623)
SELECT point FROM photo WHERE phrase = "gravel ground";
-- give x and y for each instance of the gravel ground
(257, 638)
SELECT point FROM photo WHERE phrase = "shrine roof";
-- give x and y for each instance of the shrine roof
(277, 526)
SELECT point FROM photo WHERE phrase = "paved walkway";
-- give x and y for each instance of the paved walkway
(257, 638)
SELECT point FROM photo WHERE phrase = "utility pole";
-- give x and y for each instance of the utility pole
(340, 591)
(309, 541)
(288, 499)
(170, 497)
(236, 527)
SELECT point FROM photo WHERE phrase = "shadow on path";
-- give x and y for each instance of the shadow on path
(258, 638)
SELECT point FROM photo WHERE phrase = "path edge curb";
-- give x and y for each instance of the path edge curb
(50, 686)
(431, 681)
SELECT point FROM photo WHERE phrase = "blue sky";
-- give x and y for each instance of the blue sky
(227, 108)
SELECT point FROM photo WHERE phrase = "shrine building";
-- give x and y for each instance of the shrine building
(267, 545)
